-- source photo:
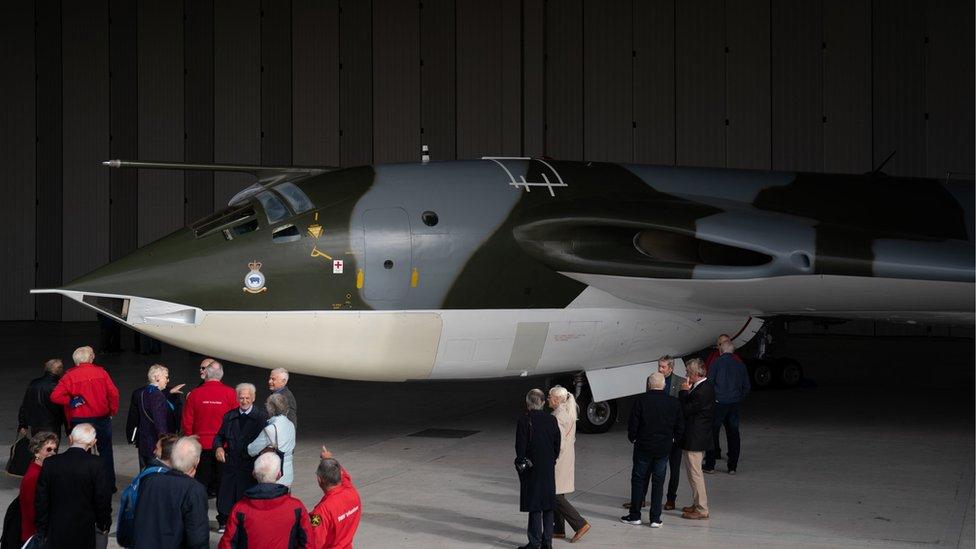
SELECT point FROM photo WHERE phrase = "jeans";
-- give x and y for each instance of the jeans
(655, 467)
(727, 415)
(103, 442)
(539, 533)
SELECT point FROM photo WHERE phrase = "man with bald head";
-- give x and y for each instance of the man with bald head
(655, 424)
(171, 512)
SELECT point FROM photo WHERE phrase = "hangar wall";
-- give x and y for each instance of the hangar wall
(820, 85)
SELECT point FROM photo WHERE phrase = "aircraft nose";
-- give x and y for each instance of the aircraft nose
(135, 285)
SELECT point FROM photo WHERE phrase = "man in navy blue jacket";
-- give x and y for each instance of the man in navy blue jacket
(656, 424)
(731, 381)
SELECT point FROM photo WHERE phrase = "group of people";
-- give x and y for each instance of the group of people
(214, 443)
(675, 423)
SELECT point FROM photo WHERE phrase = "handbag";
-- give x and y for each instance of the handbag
(20, 456)
(273, 447)
(523, 464)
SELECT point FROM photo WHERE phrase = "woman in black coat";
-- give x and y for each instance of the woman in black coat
(537, 440)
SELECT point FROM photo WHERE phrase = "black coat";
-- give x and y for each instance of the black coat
(236, 432)
(171, 513)
(537, 438)
(698, 406)
(37, 411)
(73, 498)
(656, 422)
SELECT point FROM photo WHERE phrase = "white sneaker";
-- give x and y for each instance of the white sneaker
(221, 529)
(656, 524)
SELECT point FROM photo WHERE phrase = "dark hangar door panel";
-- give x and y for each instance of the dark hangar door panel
(387, 268)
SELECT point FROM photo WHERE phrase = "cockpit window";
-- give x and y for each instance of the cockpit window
(221, 218)
(296, 198)
(243, 228)
(273, 207)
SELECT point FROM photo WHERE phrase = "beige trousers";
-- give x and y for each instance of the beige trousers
(693, 467)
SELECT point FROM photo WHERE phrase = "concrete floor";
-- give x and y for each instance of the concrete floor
(878, 452)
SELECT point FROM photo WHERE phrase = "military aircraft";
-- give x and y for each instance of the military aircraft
(585, 272)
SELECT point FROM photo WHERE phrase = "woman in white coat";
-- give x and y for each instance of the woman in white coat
(564, 407)
(278, 434)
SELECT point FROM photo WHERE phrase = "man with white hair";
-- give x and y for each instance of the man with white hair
(278, 383)
(267, 515)
(153, 411)
(73, 497)
(731, 379)
(202, 416)
(239, 428)
(655, 424)
(171, 512)
(89, 396)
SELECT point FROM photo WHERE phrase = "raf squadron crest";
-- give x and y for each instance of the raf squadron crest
(254, 279)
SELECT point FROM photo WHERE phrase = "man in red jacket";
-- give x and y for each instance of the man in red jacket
(267, 515)
(204, 410)
(89, 396)
(336, 516)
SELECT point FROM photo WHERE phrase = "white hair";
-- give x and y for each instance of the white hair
(727, 347)
(267, 467)
(566, 401)
(655, 381)
(281, 372)
(214, 371)
(186, 454)
(246, 387)
(83, 354)
(83, 433)
(535, 399)
(155, 371)
(276, 405)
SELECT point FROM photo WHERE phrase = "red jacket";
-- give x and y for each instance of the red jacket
(713, 356)
(89, 382)
(267, 516)
(336, 516)
(205, 408)
(28, 488)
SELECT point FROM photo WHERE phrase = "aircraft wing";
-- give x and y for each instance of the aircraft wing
(704, 255)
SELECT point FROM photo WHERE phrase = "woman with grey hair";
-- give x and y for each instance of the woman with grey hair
(564, 408)
(42, 446)
(277, 436)
(536, 448)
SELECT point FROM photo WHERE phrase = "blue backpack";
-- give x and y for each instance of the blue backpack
(127, 507)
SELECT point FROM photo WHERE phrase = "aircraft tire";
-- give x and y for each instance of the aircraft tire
(791, 373)
(762, 375)
(595, 417)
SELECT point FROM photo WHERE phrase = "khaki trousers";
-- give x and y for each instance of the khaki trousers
(693, 467)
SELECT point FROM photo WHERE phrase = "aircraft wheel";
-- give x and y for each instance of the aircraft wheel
(762, 375)
(791, 374)
(595, 417)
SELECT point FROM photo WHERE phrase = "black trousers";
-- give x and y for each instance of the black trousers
(208, 473)
(539, 530)
(565, 512)
(674, 471)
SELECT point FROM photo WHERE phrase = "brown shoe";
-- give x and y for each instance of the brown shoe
(558, 536)
(643, 504)
(669, 505)
(694, 515)
(689, 509)
(580, 533)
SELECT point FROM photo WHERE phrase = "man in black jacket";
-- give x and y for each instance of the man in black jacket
(537, 439)
(655, 424)
(239, 428)
(698, 404)
(73, 496)
(171, 512)
(37, 412)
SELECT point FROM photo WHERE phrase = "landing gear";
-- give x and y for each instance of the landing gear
(595, 417)
(767, 372)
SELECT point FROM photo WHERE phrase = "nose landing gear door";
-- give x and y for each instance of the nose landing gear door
(387, 251)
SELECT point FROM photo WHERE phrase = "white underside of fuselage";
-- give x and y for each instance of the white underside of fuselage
(433, 344)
